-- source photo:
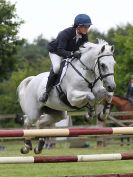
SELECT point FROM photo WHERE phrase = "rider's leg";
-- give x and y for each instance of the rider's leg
(56, 60)
(51, 80)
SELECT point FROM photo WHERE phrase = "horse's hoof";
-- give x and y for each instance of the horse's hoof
(24, 150)
(37, 151)
(87, 118)
(91, 115)
(101, 117)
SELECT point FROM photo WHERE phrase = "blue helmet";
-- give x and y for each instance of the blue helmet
(82, 20)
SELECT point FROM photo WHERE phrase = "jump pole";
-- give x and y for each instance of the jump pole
(71, 132)
(61, 159)
(106, 175)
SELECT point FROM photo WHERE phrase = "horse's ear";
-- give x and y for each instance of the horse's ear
(102, 49)
(112, 48)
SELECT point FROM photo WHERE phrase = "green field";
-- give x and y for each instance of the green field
(82, 168)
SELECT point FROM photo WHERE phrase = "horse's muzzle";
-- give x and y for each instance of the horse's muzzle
(111, 88)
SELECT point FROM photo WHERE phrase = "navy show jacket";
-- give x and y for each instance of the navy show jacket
(65, 42)
(129, 91)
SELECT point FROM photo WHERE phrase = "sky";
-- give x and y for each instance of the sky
(49, 17)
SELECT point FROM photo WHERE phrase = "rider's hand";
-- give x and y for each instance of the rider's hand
(77, 54)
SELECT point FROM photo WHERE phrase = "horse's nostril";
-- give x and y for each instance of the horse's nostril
(111, 89)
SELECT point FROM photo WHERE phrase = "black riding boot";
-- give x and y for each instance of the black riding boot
(51, 81)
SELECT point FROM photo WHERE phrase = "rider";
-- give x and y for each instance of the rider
(130, 89)
(66, 45)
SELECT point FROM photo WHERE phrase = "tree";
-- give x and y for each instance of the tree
(33, 54)
(42, 44)
(9, 25)
(94, 34)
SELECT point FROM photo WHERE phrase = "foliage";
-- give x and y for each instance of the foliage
(122, 38)
(94, 34)
(32, 54)
(9, 25)
(8, 96)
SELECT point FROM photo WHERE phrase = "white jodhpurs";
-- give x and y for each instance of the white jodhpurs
(56, 61)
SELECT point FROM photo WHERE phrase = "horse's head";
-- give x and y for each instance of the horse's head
(99, 58)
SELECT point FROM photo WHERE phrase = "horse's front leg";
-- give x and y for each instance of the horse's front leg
(82, 98)
(106, 109)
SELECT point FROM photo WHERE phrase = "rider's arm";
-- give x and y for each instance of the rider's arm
(62, 44)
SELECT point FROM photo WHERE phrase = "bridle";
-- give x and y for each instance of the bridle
(100, 77)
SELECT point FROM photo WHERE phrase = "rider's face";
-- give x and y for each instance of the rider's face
(82, 29)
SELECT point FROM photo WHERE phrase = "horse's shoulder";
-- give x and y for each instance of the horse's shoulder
(42, 77)
(44, 74)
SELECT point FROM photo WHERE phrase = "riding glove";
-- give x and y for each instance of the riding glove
(77, 54)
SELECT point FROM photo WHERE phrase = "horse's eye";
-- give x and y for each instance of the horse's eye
(103, 66)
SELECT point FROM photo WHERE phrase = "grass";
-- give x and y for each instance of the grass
(64, 169)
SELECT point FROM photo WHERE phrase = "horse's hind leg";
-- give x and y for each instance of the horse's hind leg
(27, 146)
(42, 123)
(27, 125)
(48, 121)
(39, 147)
(43, 143)
(27, 141)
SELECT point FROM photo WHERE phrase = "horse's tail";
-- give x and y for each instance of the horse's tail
(23, 85)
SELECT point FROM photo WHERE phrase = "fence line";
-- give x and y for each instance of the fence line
(79, 113)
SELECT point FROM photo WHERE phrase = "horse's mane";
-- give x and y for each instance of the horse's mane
(89, 45)
(102, 41)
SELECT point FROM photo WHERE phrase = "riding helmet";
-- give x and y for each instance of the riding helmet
(82, 20)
